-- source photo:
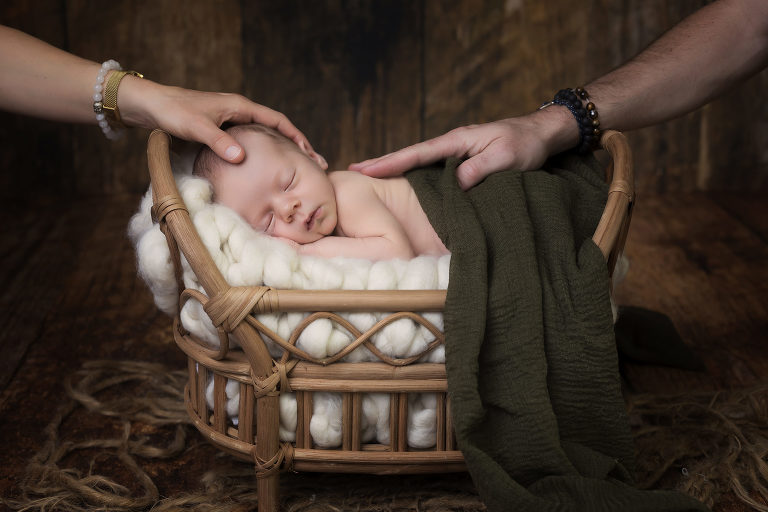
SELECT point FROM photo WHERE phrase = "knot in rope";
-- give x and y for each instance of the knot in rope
(228, 308)
(265, 468)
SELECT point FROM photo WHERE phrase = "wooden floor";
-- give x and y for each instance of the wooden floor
(69, 295)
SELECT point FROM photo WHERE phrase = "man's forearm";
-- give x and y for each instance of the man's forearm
(711, 50)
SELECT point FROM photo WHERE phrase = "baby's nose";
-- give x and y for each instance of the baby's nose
(289, 209)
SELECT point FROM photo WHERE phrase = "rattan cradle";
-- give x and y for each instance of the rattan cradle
(261, 379)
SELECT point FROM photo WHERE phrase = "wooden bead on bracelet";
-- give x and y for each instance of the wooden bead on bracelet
(584, 112)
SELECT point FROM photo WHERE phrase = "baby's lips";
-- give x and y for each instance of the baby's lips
(307, 220)
(312, 218)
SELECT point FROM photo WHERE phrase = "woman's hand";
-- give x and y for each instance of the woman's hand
(521, 143)
(198, 116)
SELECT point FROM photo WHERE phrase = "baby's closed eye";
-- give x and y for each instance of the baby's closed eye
(270, 225)
(291, 181)
(265, 224)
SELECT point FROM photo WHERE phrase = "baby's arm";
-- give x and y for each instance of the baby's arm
(366, 227)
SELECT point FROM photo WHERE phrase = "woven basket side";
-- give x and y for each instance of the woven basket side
(258, 409)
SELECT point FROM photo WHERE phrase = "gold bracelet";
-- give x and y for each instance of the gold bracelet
(109, 105)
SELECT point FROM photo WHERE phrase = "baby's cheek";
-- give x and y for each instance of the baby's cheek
(314, 237)
(332, 224)
(297, 236)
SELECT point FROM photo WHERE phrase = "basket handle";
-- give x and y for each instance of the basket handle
(611, 232)
(170, 209)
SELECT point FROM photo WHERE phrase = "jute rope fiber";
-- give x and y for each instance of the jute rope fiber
(713, 446)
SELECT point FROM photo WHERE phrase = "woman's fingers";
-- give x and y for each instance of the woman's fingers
(249, 111)
(223, 144)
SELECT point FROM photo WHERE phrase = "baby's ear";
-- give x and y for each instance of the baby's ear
(311, 154)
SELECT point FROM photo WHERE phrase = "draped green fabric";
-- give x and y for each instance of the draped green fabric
(530, 349)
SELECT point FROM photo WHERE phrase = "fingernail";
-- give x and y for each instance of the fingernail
(231, 152)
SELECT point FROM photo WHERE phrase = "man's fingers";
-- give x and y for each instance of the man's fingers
(365, 163)
(391, 165)
(418, 155)
(476, 169)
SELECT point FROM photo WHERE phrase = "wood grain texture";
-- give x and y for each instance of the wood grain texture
(35, 255)
(72, 296)
(490, 60)
(701, 265)
(35, 154)
(190, 44)
(494, 59)
(348, 74)
(748, 208)
(365, 78)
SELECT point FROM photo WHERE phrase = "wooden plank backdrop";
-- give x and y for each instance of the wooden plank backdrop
(360, 78)
(366, 77)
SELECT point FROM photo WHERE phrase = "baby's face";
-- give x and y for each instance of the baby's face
(279, 190)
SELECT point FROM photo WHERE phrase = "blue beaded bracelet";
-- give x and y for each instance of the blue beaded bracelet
(584, 112)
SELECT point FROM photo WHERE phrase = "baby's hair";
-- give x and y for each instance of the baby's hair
(207, 162)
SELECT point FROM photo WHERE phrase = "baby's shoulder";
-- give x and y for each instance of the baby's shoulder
(355, 181)
(348, 178)
(351, 183)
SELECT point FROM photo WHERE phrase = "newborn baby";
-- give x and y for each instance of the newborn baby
(280, 190)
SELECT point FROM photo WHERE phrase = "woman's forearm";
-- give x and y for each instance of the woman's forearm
(711, 50)
(40, 80)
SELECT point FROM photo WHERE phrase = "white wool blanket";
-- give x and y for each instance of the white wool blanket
(246, 257)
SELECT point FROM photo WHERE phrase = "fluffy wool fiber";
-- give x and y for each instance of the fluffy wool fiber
(246, 257)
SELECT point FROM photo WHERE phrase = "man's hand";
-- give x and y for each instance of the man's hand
(521, 143)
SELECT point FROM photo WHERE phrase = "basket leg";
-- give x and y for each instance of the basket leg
(267, 444)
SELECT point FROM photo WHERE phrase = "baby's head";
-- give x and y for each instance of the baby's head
(277, 189)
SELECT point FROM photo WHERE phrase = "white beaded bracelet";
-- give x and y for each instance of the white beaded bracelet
(98, 98)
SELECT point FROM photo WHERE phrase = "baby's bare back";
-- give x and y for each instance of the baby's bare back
(401, 201)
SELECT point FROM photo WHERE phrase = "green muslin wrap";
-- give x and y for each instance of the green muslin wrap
(530, 349)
